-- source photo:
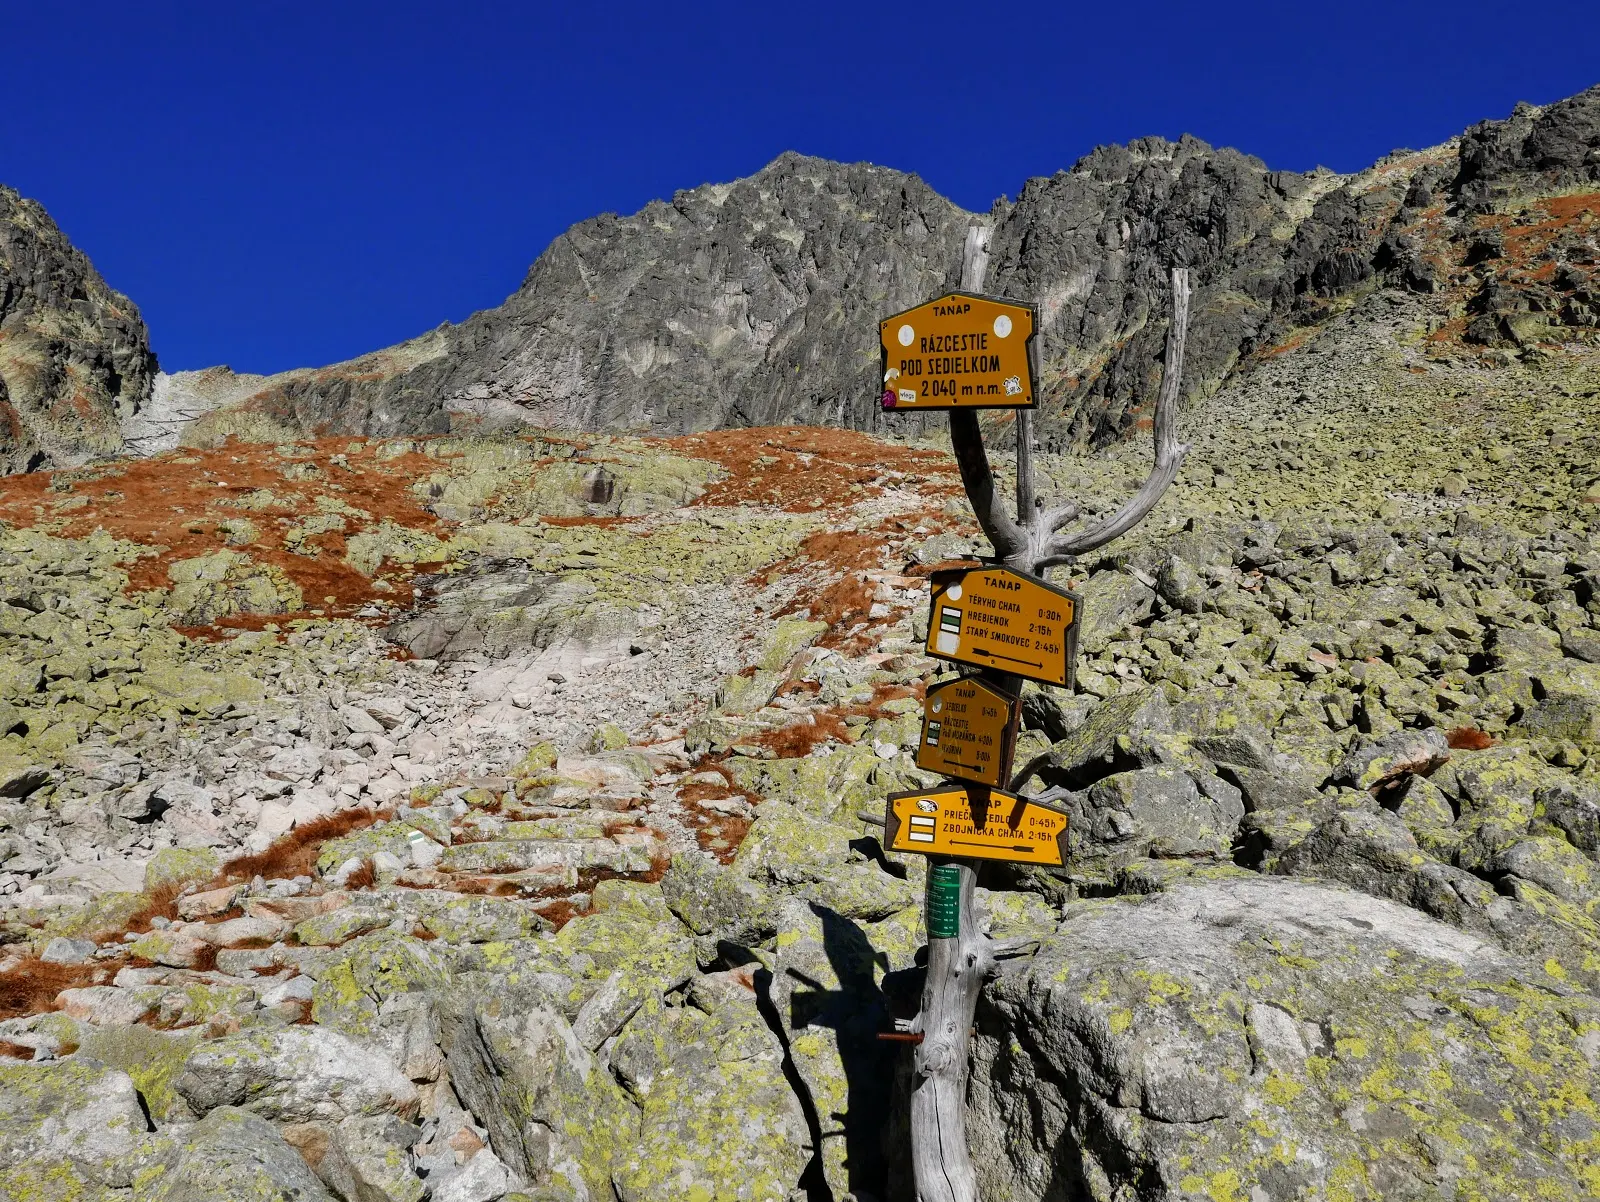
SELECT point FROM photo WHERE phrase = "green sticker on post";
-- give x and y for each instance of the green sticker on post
(944, 901)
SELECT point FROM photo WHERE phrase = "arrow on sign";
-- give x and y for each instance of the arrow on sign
(1020, 848)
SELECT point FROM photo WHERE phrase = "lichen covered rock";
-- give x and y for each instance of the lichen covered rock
(1284, 1037)
(703, 1081)
(233, 1154)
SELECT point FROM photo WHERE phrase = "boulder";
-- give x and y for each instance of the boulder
(1564, 714)
(791, 853)
(1112, 602)
(708, 1078)
(833, 788)
(631, 947)
(294, 1074)
(711, 899)
(484, 1178)
(75, 1111)
(1089, 752)
(554, 1114)
(1552, 863)
(1574, 809)
(1159, 811)
(176, 949)
(174, 867)
(1495, 791)
(61, 950)
(1378, 765)
(152, 1058)
(362, 1158)
(1277, 1038)
(1180, 585)
(380, 990)
(232, 1154)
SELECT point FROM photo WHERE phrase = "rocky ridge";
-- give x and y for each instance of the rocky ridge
(755, 302)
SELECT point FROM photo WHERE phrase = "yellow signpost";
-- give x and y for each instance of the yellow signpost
(999, 619)
(969, 730)
(961, 351)
(976, 822)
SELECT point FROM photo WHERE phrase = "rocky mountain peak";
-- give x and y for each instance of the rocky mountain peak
(75, 357)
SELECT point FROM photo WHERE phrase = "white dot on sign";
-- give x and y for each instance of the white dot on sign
(1002, 326)
(938, 705)
(953, 592)
(906, 335)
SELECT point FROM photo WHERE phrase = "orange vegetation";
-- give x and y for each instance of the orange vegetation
(174, 503)
(797, 740)
(838, 591)
(31, 986)
(295, 854)
(1469, 738)
(804, 469)
(362, 878)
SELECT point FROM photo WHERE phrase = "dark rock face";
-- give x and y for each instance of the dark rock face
(1532, 151)
(1093, 247)
(74, 355)
(756, 302)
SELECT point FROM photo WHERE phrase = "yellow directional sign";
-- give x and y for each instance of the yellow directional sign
(1000, 619)
(975, 822)
(962, 351)
(969, 729)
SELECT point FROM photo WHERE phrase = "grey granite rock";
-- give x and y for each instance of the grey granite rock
(234, 1154)
(1270, 1038)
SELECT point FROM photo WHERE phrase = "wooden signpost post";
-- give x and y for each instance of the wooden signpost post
(963, 352)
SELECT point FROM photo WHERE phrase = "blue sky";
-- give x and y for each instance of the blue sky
(281, 185)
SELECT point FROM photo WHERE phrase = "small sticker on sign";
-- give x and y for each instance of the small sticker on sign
(907, 396)
(1013, 385)
(1002, 326)
(907, 335)
(892, 374)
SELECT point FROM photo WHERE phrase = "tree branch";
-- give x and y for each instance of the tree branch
(1057, 516)
(978, 480)
(1169, 451)
(966, 439)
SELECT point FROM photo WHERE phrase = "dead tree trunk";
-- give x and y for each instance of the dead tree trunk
(959, 965)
